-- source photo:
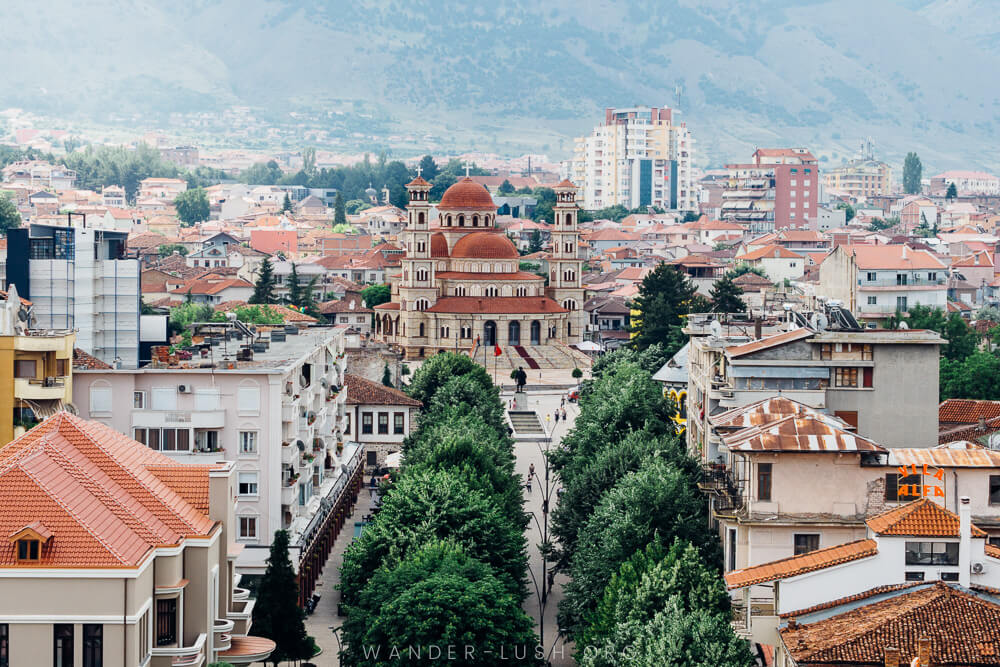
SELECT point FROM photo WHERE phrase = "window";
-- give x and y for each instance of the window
(872, 300)
(792, 204)
(901, 278)
(28, 549)
(806, 542)
(901, 303)
(949, 576)
(383, 423)
(4, 645)
(398, 422)
(139, 400)
(764, 481)
(248, 442)
(62, 645)
(247, 484)
(867, 377)
(932, 553)
(731, 565)
(166, 621)
(903, 489)
(24, 368)
(914, 576)
(248, 399)
(371, 457)
(207, 399)
(366, 423)
(871, 276)
(144, 625)
(100, 399)
(248, 527)
(932, 276)
(347, 424)
(845, 377)
(62, 367)
(164, 398)
(490, 291)
(206, 441)
(93, 645)
(994, 489)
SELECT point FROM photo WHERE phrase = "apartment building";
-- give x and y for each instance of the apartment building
(274, 407)
(39, 174)
(876, 281)
(860, 178)
(966, 182)
(117, 555)
(163, 189)
(78, 278)
(638, 157)
(778, 188)
(378, 418)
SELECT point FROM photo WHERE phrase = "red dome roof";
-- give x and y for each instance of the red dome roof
(484, 245)
(439, 245)
(467, 194)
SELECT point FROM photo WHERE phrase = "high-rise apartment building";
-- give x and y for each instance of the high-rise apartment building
(638, 157)
(778, 188)
(860, 178)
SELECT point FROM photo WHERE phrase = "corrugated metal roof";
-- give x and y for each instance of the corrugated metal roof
(764, 411)
(946, 457)
(808, 433)
(770, 341)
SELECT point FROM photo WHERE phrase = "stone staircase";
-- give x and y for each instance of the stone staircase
(525, 423)
(555, 355)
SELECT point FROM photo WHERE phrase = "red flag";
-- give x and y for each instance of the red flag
(496, 351)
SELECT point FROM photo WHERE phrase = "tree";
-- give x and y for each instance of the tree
(725, 296)
(277, 615)
(428, 168)
(977, 376)
(263, 289)
(913, 171)
(294, 295)
(849, 211)
(664, 298)
(375, 295)
(535, 242)
(505, 188)
(577, 374)
(879, 224)
(438, 596)
(286, 206)
(952, 192)
(309, 161)
(183, 316)
(192, 206)
(167, 249)
(438, 370)
(339, 210)
(386, 376)
(10, 217)
(962, 339)
(262, 174)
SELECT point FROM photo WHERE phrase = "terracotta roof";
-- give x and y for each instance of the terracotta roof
(612, 235)
(796, 565)
(344, 305)
(964, 630)
(203, 286)
(485, 245)
(467, 194)
(770, 341)
(808, 433)
(83, 360)
(970, 431)
(502, 304)
(439, 245)
(751, 279)
(892, 257)
(417, 181)
(361, 391)
(93, 489)
(983, 258)
(467, 276)
(921, 518)
(967, 411)
(190, 482)
(389, 305)
(771, 252)
(878, 590)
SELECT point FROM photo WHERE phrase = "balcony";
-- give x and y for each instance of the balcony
(184, 656)
(223, 632)
(32, 389)
(288, 453)
(179, 418)
(290, 494)
(241, 614)
(718, 482)
(890, 284)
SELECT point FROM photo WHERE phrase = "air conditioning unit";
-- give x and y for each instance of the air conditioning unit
(183, 389)
(977, 568)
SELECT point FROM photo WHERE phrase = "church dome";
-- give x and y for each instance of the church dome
(439, 245)
(484, 245)
(467, 194)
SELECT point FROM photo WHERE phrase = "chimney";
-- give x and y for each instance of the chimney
(965, 541)
(792, 624)
(924, 649)
(758, 325)
(982, 423)
(904, 251)
(891, 657)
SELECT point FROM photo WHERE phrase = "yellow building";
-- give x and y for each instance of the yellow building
(36, 369)
(862, 178)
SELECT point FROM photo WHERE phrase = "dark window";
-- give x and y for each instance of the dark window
(932, 553)
(24, 368)
(764, 481)
(366, 423)
(347, 424)
(28, 549)
(902, 489)
(732, 549)
(849, 416)
(166, 621)
(383, 423)
(372, 457)
(949, 576)
(93, 645)
(62, 645)
(4, 645)
(398, 422)
(61, 366)
(806, 542)
(994, 489)
(914, 576)
(867, 377)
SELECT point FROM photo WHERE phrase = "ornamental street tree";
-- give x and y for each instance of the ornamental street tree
(277, 615)
(439, 369)
(192, 206)
(263, 289)
(913, 171)
(664, 298)
(726, 296)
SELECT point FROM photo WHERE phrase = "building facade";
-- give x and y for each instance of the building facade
(860, 178)
(778, 188)
(461, 287)
(639, 157)
(379, 418)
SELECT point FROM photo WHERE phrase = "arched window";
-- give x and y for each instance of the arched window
(460, 290)
(420, 218)
(461, 220)
(447, 221)
(445, 333)
(569, 328)
(569, 275)
(521, 291)
(569, 304)
(506, 290)
(421, 304)
(475, 221)
(490, 291)
(421, 274)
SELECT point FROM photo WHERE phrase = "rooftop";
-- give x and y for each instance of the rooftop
(796, 565)
(361, 391)
(921, 518)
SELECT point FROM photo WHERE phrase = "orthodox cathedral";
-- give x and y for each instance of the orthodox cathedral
(461, 287)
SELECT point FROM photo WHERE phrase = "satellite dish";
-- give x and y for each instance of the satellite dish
(903, 325)
(715, 328)
(819, 321)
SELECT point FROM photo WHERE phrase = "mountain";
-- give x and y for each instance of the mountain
(913, 74)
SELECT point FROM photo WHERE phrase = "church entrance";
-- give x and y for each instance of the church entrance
(490, 333)
(514, 333)
(536, 332)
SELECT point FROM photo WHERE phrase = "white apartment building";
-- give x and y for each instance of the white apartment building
(638, 157)
(276, 414)
(79, 278)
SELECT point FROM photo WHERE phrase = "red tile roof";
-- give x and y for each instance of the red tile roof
(967, 411)
(764, 411)
(771, 252)
(874, 257)
(96, 491)
(467, 194)
(503, 304)
(83, 360)
(361, 391)
(796, 565)
(203, 286)
(921, 518)
(484, 245)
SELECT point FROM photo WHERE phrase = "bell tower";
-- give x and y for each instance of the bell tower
(565, 266)
(418, 269)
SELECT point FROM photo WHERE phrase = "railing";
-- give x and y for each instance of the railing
(222, 629)
(718, 481)
(185, 656)
(910, 282)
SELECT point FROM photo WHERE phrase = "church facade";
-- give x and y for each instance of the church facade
(461, 286)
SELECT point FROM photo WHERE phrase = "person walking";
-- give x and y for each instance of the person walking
(531, 471)
(528, 484)
(563, 411)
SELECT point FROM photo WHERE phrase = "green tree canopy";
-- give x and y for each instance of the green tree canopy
(742, 268)
(294, 295)
(10, 217)
(952, 192)
(535, 242)
(262, 173)
(263, 289)
(849, 211)
(286, 205)
(441, 368)
(375, 295)
(505, 188)
(339, 210)
(665, 295)
(976, 376)
(167, 249)
(428, 168)
(277, 615)
(192, 206)
(962, 339)
(726, 296)
(181, 317)
(913, 171)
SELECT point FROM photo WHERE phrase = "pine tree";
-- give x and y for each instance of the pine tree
(277, 615)
(535, 243)
(913, 171)
(263, 289)
(952, 191)
(386, 376)
(294, 296)
(726, 295)
(286, 206)
(339, 210)
(664, 298)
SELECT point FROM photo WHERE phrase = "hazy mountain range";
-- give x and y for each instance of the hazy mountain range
(915, 74)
